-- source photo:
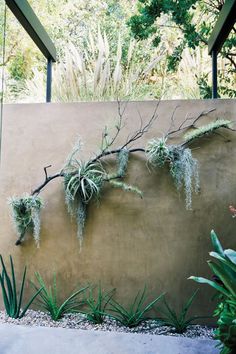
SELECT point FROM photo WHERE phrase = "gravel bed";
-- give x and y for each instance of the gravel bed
(79, 321)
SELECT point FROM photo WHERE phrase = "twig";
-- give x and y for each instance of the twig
(47, 180)
(192, 125)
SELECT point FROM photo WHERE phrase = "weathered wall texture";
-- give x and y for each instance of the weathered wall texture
(128, 242)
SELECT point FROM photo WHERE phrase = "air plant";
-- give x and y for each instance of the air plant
(26, 215)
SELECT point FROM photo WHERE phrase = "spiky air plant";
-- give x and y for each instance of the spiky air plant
(182, 166)
(81, 186)
(26, 216)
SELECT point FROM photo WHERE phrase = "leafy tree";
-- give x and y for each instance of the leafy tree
(193, 22)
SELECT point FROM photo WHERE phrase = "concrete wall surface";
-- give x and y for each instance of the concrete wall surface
(128, 241)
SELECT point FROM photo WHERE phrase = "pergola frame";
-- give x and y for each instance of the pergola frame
(223, 26)
(28, 19)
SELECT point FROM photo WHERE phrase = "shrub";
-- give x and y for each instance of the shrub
(224, 275)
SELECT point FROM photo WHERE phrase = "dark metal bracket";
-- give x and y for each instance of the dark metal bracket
(220, 32)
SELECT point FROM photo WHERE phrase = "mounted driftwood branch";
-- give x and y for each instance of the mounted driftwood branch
(84, 180)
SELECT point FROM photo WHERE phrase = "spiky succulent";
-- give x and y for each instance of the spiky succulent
(26, 215)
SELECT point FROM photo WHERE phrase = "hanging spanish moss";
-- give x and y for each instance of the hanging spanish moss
(26, 215)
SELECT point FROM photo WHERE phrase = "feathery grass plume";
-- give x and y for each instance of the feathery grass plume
(184, 170)
(122, 161)
(26, 215)
(207, 129)
(126, 187)
(157, 152)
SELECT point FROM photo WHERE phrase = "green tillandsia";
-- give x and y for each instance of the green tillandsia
(48, 299)
(81, 186)
(26, 215)
(12, 297)
(133, 315)
(207, 129)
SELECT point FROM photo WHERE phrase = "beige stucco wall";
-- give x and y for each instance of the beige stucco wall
(128, 242)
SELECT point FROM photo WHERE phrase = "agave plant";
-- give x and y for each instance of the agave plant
(96, 304)
(26, 215)
(48, 299)
(12, 298)
(136, 313)
(179, 321)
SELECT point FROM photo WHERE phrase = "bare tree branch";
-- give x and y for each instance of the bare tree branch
(192, 125)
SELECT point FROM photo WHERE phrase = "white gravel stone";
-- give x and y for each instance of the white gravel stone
(79, 321)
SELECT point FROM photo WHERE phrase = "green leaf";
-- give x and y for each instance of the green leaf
(226, 277)
(211, 283)
(216, 244)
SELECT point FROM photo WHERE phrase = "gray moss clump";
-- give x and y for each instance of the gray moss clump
(26, 215)
(182, 166)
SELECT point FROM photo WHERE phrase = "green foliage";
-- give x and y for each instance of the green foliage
(19, 67)
(136, 313)
(97, 304)
(183, 167)
(179, 321)
(226, 331)
(26, 215)
(49, 299)
(12, 297)
(224, 270)
(207, 129)
(193, 22)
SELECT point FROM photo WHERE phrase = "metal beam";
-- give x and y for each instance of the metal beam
(49, 81)
(214, 74)
(223, 26)
(26, 16)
